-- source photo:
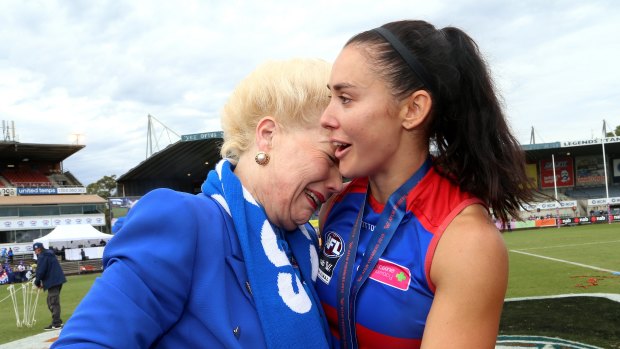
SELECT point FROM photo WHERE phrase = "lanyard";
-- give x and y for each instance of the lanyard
(350, 282)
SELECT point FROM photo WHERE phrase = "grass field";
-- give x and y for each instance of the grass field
(563, 261)
(578, 254)
(72, 293)
(543, 262)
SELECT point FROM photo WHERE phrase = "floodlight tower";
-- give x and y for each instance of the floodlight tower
(153, 139)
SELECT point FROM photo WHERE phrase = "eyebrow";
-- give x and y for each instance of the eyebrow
(339, 87)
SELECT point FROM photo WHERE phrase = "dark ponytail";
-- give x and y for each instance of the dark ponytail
(474, 145)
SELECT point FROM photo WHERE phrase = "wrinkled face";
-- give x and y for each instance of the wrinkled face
(361, 116)
(304, 174)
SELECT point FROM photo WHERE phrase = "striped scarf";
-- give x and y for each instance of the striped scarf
(288, 307)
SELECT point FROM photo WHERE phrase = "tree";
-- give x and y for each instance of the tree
(105, 187)
(615, 133)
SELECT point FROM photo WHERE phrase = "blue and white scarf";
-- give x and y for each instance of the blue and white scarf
(289, 311)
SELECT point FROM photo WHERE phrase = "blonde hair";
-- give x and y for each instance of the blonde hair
(294, 92)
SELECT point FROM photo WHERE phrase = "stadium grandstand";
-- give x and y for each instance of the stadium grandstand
(38, 194)
(181, 166)
(586, 188)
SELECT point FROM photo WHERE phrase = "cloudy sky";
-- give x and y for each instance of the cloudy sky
(92, 71)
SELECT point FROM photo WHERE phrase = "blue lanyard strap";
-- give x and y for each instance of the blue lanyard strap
(387, 224)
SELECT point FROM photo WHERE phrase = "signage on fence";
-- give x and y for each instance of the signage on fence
(36, 191)
(604, 201)
(8, 192)
(549, 205)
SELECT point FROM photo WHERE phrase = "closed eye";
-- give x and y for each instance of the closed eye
(344, 100)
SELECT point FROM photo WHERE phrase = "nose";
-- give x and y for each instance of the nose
(334, 182)
(328, 120)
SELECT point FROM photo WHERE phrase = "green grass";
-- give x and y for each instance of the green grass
(594, 245)
(595, 321)
(72, 293)
(589, 320)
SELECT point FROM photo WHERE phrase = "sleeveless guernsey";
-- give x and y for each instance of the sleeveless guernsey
(394, 302)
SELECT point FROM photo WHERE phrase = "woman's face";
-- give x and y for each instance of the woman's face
(304, 175)
(362, 116)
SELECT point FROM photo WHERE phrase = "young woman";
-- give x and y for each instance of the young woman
(410, 256)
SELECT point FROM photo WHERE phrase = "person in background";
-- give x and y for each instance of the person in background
(411, 257)
(4, 276)
(50, 277)
(246, 256)
(10, 256)
(20, 272)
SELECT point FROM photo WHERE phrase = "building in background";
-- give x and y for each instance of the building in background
(37, 194)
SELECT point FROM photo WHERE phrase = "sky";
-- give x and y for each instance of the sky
(90, 72)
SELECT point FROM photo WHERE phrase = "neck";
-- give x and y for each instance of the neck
(246, 170)
(385, 183)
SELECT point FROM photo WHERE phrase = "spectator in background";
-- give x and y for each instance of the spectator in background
(20, 272)
(21, 266)
(50, 277)
(10, 256)
(83, 254)
(4, 277)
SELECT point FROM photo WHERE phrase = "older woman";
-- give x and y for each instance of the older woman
(246, 255)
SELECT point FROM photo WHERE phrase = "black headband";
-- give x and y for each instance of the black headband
(407, 56)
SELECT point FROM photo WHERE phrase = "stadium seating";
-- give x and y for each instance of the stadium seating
(26, 178)
(592, 192)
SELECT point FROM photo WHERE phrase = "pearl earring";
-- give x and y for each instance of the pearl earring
(262, 158)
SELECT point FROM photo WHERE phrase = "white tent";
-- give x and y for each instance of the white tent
(71, 236)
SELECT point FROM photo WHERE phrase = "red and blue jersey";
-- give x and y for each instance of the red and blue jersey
(393, 304)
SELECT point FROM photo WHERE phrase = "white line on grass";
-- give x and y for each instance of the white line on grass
(571, 245)
(564, 261)
(611, 296)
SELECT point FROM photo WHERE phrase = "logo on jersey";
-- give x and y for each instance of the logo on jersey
(333, 249)
(334, 246)
(391, 274)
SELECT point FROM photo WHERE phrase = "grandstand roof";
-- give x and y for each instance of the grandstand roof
(16, 151)
(545, 150)
(178, 161)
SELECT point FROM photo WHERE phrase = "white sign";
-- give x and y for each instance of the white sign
(71, 190)
(549, 205)
(590, 141)
(8, 192)
(24, 223)
(604, 201)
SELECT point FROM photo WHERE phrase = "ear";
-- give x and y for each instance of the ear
(416, 109)
(265, 130)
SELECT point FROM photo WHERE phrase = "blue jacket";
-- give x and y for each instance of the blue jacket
(174, 277)
(48, 271)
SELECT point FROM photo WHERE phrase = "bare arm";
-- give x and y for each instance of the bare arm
(470, 272)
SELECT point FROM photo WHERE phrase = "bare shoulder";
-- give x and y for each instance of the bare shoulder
(471, 246)
(470, 274)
